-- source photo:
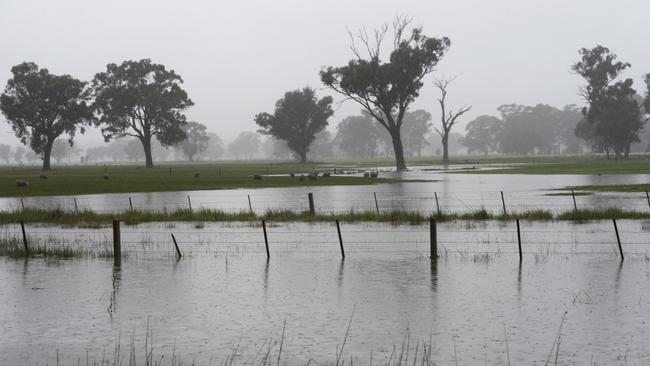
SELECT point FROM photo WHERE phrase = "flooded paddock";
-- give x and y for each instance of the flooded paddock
(454, 192)
(224, 299)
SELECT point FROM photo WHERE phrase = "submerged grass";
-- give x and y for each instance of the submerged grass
(92, 219)
(13, 247)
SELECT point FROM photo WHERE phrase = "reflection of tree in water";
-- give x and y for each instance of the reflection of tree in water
(117, 277)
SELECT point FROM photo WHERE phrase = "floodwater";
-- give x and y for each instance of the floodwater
(455, 192)
(224, 298)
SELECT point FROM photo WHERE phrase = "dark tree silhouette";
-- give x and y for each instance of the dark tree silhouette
(41, 107)
(142, 100)
(385, 90)
(298, 116)
(448, 118)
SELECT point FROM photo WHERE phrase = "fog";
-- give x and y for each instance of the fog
(238, 58)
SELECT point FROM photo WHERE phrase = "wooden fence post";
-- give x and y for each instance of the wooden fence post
(338, 229)
(22, 203)
(433, 239)
(117, 244)
(437, 204)
(503, 202)
(646, 196)
(178, 251)
(266, 240)
(618, 240)
(376, 204)
(189, 203)
(22, 227)
(250, 207)
(312, 209)
(130, 204)
(575, 205)
(521, 257)
(76, 208)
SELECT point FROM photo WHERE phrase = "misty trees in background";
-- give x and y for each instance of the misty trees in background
(245, 146)
(448, 117)
(5, 153)
(41, 107)
(62, 150)
(358, 136)
(298, 116)
(214, 149)
(415, 128)
(141, 99)
(322, 147)
(19, 154)
(386, 89)
(196, 140)
(481, 135)
(613, 113)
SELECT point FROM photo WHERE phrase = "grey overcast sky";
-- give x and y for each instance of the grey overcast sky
(238, 57)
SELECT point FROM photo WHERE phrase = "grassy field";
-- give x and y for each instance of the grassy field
(575, 166)
(74, 180)
(613, 188)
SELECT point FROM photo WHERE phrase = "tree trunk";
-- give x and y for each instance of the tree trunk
(146, 144)
(400, 163)
(47, 153)
(445, 148)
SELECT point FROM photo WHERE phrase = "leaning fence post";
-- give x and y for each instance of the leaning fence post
(22, 203)
(178, 251)
(189, 203)
(266, 240)
(646, 196)
(376, 204)
(338, 229)
(22, 227)
(437, 204)
(521, 257)
(312, 209)
(433, 239)
(76, 208)
(117, 244)
(503, 202)
(575, 205)
(130, 204)
(618, 240)
(250, 207)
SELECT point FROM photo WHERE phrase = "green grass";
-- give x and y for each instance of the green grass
(77, 180)
(90, 219)
(576, 166)
(613, 188)
(14, 248)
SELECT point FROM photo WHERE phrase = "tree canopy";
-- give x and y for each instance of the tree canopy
(41, 106)
(298, 116)
(245, 145)
(386, 89)
(141, 99)
(196, 140)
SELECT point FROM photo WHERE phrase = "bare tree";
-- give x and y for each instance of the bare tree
(447, 118)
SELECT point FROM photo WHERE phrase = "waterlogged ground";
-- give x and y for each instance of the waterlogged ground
(223, 297)
(455, 192)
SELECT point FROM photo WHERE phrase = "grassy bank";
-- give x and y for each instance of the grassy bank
(93, 219)
(613, 188)
(77, 180)
(577, 166)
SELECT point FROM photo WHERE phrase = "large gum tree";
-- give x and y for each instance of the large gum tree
(141, 99)
(386, 88)
(41, 106)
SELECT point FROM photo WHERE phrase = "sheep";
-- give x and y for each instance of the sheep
(257, 177)
(302, 178)
(196, 175)
(374, 174)
(106, 177)
(366, 175)
(293, 175)
(43, 176)
(326, 175)
(312, 176)
(21, 183)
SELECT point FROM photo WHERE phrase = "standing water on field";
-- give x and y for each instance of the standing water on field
(224, 299)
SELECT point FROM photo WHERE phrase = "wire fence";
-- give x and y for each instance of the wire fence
(338, 201)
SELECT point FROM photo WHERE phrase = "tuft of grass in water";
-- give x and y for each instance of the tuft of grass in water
(13, 247)
(603, 214)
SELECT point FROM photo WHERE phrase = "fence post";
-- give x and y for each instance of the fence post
(338, 229)
(503, 202)
(22, 203)
(117, 244)
(130, 204)
(266, 240)
(76, 208)
(437, 204)
(22, 227)
(646, 196)
(575, 205)
(618, 240)
(178, 251)
(376, 204)
(189, 203)
(521, 257)
(433, 239)
(312, 209)
(170, 171)
(250, 207)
